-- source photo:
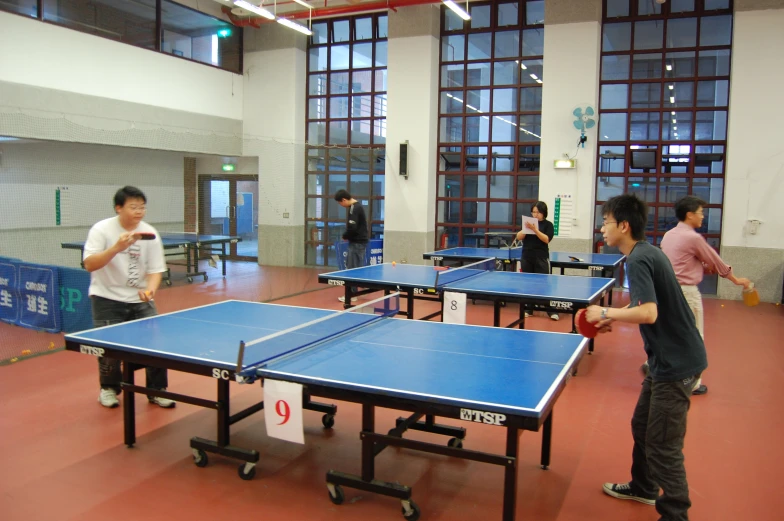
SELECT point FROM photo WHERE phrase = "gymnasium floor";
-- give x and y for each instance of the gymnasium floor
(62, 456)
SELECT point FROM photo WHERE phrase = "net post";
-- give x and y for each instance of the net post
(240, 356)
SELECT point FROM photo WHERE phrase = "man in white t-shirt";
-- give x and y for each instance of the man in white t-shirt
(124, 256)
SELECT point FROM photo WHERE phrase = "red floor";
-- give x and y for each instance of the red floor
(62, 457)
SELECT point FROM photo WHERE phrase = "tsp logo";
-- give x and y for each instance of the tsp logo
(559, 304)
(335, 282)
(490, 418)
(90, 350)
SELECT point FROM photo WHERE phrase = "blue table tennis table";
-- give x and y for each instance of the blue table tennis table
(189, 244)
(607, 265)
(505, 377)
(531, 291)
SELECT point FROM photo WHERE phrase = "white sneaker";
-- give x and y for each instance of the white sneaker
(554, 316)
(343, 299)
(162, 402)
(108, 398)
(527, 314)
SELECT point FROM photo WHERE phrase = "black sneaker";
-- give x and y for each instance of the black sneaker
(624, 491)
(700, 389)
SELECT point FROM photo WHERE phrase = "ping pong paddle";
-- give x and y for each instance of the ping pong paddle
(145, 236)
(584, 327)
(440, 268)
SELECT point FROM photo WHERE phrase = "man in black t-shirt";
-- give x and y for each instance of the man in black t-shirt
(676, 356)
(356, 231)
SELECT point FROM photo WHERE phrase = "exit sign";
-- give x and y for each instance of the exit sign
(228, 168)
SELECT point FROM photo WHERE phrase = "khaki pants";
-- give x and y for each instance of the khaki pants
(694, 300)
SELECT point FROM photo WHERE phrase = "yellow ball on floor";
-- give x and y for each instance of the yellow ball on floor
(26, 352)
(722, 305)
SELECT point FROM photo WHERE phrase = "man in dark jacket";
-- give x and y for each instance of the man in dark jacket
(356, 231)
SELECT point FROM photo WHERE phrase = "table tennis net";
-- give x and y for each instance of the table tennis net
(264, 350)
(464, 272)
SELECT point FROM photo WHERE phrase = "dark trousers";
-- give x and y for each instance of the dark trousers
(107, 312)
(355, 257)
(658, 428)
(539, 264)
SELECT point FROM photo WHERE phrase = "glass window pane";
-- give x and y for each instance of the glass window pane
(614, 96)
(317, 108)
(711, 125)
(712, 222)
(479, 46)
(647, 66)
(616, 37)
(507, 44)
(507, 14)
(612, 127)
(475, 159)
(380, 80)
(615, 67)
(506, 73)
(648, 35)
(452, 75)
(339, 57)
(318, 59)
(317, 84)
(715, 30)
(338, 83)
(679, 64)
(338, 162)
(533, 42)
(644, 126)
(679, 94)
(528, 158)
(617, 8)
(360, 160)
(527, 188)
(673, 188)
(361, 106)
(381, 54)
(478, 74)
(534, 12)
(363, 55)
(681, 6)
(338, 132)
(477, 100)
(24, 7)
(451, 130)
(681, 32)
(453, 48)
(316, 159)
(383, 26)
(709, 159)
(448, 186)
(713, 93)
(475, 186)
(503, 160)
(711, 5)
(134, 25)
(480, 16)
(531, 99)
(452, 102)
(646, 95)
(363, 29)
(504, 128)
(612, 159)
(530, 128)
(477, 129)
(607, 187)
(452, 22)
(378, 215)
(380, 105)
(642, 187)
(474, 212)
(648, 7)
(709, 189)
(501, 214)
(380, 131)
(361, 81)
(677, 126)
(320, 33)
(505, 100)
(531, 71)
(317, 132)
(714, 63)
(340, 31)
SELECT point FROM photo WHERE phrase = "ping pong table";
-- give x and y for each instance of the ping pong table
(606, 264)
(505, 377)
(479, 281)
(188, 244)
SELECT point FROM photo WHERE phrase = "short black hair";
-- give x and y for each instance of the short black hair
(128, 192)
(689, 203)
(628, 208)
(542, 207)
(342, 194)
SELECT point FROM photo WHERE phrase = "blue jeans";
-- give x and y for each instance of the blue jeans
(107, 312)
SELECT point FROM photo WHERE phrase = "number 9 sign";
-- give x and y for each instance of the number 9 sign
(283, 410)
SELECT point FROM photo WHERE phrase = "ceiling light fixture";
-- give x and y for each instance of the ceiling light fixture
(254, 9)
(457, 9)
(294, 25)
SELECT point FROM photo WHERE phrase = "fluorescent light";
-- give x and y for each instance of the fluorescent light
(303, 4)
(457, 9)
(534, 76)
(669, 67)
(674, 120)
(254, 9)
(470, 107)
(675, 128)
(538, 81)
(522, 66)
(672, 99)
(294, 25)
(673, 112)
(564, 163)
(672, 87)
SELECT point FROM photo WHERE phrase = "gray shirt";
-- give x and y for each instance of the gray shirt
(674, 346)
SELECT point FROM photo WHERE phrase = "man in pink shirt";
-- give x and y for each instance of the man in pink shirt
(691, 256)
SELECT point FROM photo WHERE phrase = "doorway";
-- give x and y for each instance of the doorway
(228, 206)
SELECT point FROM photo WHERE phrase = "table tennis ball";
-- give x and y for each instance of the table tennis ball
(394, 263)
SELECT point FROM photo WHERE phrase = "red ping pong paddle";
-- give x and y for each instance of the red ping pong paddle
(145, 236)
(584, 327)
(440, 268)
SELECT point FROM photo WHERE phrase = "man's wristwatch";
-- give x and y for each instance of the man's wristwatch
(604, 314)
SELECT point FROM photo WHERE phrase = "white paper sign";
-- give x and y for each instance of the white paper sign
(454, 308)
(532, 220)
(283, 410)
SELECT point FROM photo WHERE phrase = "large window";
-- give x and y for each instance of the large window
(346, 128)
(490, 112)
(175, 30)
(664, 95)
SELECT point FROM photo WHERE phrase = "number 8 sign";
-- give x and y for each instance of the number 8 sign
(283, 410)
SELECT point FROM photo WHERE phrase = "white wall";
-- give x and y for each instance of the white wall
(412, 115)
(45, 55)
(755, 163)
(571, 80)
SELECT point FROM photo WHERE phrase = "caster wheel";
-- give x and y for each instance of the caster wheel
(190, 279)
(168, 283)
(328, 420)
(339, 497)
(413, 513)
(205, 278)
(200, 459)
(456, 443)
(247, 475)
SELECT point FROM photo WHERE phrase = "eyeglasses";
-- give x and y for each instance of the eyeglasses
(605, 223)
(134, 208)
